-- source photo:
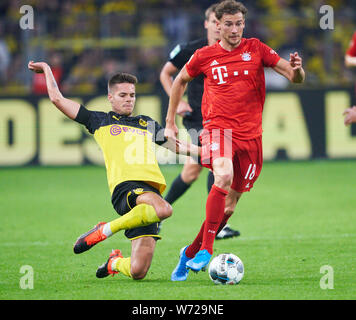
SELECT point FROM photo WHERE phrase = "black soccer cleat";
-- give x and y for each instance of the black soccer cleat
(227, 233)
(106, 268)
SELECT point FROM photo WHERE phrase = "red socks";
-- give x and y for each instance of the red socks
(215, 206)
(196, 244)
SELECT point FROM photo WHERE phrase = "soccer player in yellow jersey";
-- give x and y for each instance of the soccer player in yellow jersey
(135, 180)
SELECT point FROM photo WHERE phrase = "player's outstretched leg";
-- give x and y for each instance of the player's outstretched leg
(90, 238)
(141, 215)
(180, 273)
(200, 261)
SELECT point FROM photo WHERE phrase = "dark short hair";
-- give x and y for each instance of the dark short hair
(210, 10)
(121, 77)
(229, 7)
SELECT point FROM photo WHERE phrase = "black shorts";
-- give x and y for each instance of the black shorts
(124, 199)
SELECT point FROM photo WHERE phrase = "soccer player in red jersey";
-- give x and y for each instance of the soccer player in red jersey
(191, 111)
(350, 56)
(234, 95)
(350, 61)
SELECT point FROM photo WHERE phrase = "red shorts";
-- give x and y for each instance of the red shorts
(246, 156)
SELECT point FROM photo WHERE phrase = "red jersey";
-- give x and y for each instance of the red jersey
(39, 81)
(352, 48)
(234, 85)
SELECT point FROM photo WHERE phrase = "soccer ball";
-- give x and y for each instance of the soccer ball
(226, 268)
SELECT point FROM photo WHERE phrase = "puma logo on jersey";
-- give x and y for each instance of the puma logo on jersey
(142, 123)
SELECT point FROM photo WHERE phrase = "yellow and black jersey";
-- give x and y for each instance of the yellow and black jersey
(127, 145)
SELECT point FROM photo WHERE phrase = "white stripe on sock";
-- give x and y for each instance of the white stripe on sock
(107, 230)
(113, 264)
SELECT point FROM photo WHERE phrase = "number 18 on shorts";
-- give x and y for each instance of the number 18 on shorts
(246, 156)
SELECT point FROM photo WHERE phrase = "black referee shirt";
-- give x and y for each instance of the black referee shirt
(179, 56)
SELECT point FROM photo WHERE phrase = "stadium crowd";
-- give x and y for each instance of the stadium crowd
(87, 40)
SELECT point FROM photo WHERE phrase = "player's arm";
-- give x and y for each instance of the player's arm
(182, 147)
(350, 115)
(350, 61)
(69, 107)
(177, 92)
(291, 69)
(166, 78)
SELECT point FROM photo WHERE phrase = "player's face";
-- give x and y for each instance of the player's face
(211, 27)
(231, 27)
(122, 97)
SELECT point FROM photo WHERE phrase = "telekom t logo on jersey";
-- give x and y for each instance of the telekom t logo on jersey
(220, 72)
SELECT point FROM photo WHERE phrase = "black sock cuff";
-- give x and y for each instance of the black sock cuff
(177, 189)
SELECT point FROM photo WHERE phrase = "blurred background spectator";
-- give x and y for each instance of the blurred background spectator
(39, 81)
(86, 40)
(4, 56)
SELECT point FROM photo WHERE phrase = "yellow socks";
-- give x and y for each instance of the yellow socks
(141, 215)
(122, 265)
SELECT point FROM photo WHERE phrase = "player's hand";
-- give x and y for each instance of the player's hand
(183, 108)
(171, 130)
(350, 115)
(37, 67)
(295, 61)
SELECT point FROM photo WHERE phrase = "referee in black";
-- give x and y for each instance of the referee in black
(191, 111)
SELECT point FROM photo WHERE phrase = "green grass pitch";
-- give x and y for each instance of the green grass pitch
(299, 217)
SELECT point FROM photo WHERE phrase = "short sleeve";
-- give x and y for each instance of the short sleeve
(90, 119)
(179, 56)
(193, 66)
(351, 51)
(268, 55)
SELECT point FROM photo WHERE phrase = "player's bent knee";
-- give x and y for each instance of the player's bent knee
(195, 175)
(223, 180)
(139, 268)
(164, 211)
(141, 256)
(138, 275)
(191, 178)
(191, 173)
